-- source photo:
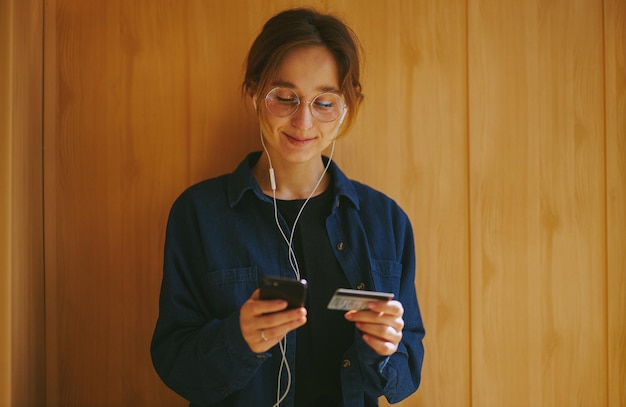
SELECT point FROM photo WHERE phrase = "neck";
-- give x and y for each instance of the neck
(293, 181)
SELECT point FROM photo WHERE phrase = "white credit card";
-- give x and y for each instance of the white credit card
(345, 299)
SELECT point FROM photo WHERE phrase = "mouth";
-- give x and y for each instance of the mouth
(299, 141)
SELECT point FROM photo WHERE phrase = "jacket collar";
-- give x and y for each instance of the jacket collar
(242, 180)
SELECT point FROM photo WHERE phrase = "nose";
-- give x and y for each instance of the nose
(303, 117)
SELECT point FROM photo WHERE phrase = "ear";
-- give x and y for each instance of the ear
(252, 95)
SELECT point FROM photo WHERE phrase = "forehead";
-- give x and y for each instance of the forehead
(308, 70)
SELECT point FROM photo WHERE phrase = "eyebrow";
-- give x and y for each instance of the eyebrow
(286, 84)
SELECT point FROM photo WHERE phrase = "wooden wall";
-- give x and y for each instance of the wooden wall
(538, 203)
(615, 164)
(5, 204)
(22, 324)
(500, 126)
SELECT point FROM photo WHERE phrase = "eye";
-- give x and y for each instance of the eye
(287, 100)
(286, 96)
(326, 101)
(323, 104)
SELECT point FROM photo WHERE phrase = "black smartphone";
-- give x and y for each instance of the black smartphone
(289, 289)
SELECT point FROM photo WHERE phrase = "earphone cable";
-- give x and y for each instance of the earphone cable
(292, 255)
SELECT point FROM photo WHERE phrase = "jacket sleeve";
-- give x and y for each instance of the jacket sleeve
(399, 375)
(199, 356)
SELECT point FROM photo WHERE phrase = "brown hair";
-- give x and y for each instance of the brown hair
(304, 27)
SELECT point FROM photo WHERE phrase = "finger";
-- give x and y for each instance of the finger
(381, 347)
(275, 332)
(387, 307)
(376, 318)
(384, 340)
(251, 317)
(263, 339)
(260, 307)
(283, 318)
(382, 332)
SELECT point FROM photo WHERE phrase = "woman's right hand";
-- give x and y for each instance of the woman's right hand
(265, 322)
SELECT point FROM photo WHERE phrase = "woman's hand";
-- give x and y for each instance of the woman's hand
(381, 325)
(265, 323)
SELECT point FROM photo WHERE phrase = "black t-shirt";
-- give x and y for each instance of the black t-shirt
(326, 335)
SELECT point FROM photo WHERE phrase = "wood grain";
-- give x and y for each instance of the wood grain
(21, 83)
(537, 203)
(615, 93)
(411, 143)
(497, 126)
(6, 13)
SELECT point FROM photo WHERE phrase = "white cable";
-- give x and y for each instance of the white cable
(283, 363)
(292, 255)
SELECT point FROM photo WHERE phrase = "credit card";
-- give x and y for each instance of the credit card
(346, 299)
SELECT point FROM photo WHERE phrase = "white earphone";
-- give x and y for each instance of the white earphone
(343, 116)
(289, 241)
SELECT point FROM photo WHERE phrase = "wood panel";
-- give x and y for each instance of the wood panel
(143, 100)
(50, 116)
(22, 292)
(537, 203)
(485, 120)
(6, 13)
(615, 89)
(411, 142)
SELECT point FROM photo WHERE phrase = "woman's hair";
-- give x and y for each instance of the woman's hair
(298, 28)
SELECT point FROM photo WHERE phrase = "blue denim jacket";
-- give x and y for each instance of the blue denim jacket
(221, 238)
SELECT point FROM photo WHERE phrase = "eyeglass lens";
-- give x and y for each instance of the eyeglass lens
(283, 102)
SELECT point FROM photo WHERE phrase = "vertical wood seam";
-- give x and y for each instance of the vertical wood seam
(468, 204)
(607, 320)
(44, 349)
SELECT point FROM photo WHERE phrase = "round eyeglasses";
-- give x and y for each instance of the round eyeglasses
(325, 107)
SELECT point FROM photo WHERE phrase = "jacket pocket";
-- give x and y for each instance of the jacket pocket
(228, 289)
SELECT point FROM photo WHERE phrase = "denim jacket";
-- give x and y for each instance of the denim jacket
(221, 238)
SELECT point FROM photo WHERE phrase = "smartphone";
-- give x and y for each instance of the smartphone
(346, 299)
(289, 289)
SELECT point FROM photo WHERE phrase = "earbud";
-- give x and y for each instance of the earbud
(343, 116)
(254, 102)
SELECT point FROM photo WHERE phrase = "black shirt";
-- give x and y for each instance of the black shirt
(326, 335)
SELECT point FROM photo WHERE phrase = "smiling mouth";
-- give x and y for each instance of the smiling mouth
(297, 140)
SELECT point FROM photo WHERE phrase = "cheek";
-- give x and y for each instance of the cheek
(272, 125)
(329, 130)
(267, 123)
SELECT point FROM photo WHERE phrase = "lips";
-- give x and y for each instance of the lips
(298, 140)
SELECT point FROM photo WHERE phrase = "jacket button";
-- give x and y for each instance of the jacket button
(340, 246)
(360, 286)
(346, 363)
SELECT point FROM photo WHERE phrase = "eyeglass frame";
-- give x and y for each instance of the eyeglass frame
(307, 102)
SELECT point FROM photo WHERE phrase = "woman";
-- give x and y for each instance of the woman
(288, 211)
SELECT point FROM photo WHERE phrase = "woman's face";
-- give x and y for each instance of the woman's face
(301, 137)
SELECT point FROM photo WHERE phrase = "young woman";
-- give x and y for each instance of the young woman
(288, 211)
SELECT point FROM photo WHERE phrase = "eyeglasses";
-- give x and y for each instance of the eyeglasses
(325, 107)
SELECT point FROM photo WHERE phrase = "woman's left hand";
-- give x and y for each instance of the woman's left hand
(381, 325)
